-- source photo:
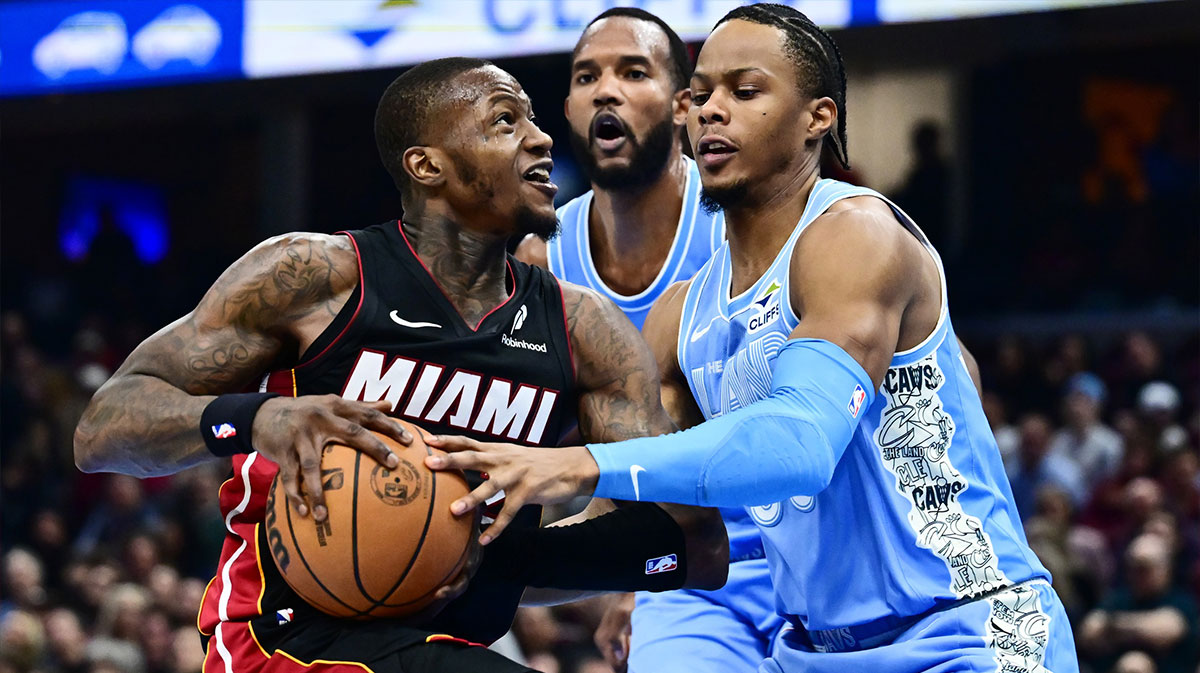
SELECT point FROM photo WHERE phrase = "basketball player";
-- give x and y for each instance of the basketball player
(428, 319)
(819, 348)
(640, 229)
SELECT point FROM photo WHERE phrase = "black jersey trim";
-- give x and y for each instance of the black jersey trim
(511, 275)
(362, 294)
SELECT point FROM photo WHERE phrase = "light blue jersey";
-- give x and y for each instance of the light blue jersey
(918, 514)
(570, 257)
(686, 631)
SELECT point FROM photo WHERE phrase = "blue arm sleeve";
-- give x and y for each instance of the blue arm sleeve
(782, 446)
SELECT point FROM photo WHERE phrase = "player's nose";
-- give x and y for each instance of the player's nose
(608, 90)
(538, 141)
(714, 110)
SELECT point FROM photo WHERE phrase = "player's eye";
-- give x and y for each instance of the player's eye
(637, 74)
(700, 98)
(745, 94)
(504, 118)
(584, 78)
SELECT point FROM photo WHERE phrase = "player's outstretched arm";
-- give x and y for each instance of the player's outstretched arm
(619, 399)
(146, 419)
(855, 276)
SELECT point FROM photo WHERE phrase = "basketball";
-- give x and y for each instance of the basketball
(389, 542)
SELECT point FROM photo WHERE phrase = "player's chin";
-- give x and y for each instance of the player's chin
(537, 219)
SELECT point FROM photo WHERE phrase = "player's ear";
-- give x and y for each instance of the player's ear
(822, 116)
(425, 166)
(567, 107)
(680, 106)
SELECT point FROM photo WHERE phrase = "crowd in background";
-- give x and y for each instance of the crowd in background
(103, 573)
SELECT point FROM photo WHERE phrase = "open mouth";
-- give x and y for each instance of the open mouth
(715, 146)
(608, 131)
(713, 151)
(539, 176)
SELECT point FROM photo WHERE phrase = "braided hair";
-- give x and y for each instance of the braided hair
(819, 68)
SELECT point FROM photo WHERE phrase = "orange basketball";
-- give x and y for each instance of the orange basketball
(389, 542)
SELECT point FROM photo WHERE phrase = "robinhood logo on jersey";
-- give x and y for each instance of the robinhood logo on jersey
(521, 343)
(768, 308)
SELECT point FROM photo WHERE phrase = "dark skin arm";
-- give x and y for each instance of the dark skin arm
(620, 399)
(268, 306)
(661, 332)
(532, 250)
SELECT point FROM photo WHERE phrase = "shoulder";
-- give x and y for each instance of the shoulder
(533, 250)
(301, 252)
(581, 302)
(862, 242)
(283, 277)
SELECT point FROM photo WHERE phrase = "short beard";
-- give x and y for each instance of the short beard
(724, 198)
(646, 163)
(530, 222)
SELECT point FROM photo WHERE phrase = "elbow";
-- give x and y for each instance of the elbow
(85, 451)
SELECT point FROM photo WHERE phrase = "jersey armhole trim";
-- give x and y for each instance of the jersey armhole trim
(362, 293)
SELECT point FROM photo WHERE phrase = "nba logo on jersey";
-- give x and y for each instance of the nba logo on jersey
(224, 431)
(856, 400)
(283, 616)
(662, 564)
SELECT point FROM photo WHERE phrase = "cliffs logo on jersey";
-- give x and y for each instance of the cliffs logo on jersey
(461, 398)
(662, 564)
(768, 309)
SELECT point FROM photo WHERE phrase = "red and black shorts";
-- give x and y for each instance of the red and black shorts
(270, 644)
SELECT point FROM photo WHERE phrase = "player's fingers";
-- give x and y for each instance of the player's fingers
(452, 443)
(463, 460)
(504, 518)
(356, 436)
(454, 589)
(310, 475)
(374, 417)
(473, 499)
(289, 477)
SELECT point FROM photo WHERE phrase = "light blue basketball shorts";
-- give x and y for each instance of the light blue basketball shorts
(1023, 629)
(730, 630)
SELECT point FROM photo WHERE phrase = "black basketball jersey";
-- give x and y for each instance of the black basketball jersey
(508, 378)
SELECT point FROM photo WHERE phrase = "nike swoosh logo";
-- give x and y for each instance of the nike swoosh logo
(696, 336)
(633, 474)
(401, 321)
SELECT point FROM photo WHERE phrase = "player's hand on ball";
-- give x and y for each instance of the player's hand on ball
(293, 431)
(526, 475)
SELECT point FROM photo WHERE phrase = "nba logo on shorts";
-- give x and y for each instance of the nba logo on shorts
(856, 400)
(662, 564)
(224, 431)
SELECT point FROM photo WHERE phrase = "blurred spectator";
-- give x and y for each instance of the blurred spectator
(1095, 448)
(123, 511)
(67, 641)
(925, 195)
(22, 641)
(1147, 615)
(1008, 438)
(1158, 404)
(23, 580)
(1036, 468)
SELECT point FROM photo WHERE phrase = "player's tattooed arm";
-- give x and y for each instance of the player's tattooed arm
(616, 374)
(268, 305)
